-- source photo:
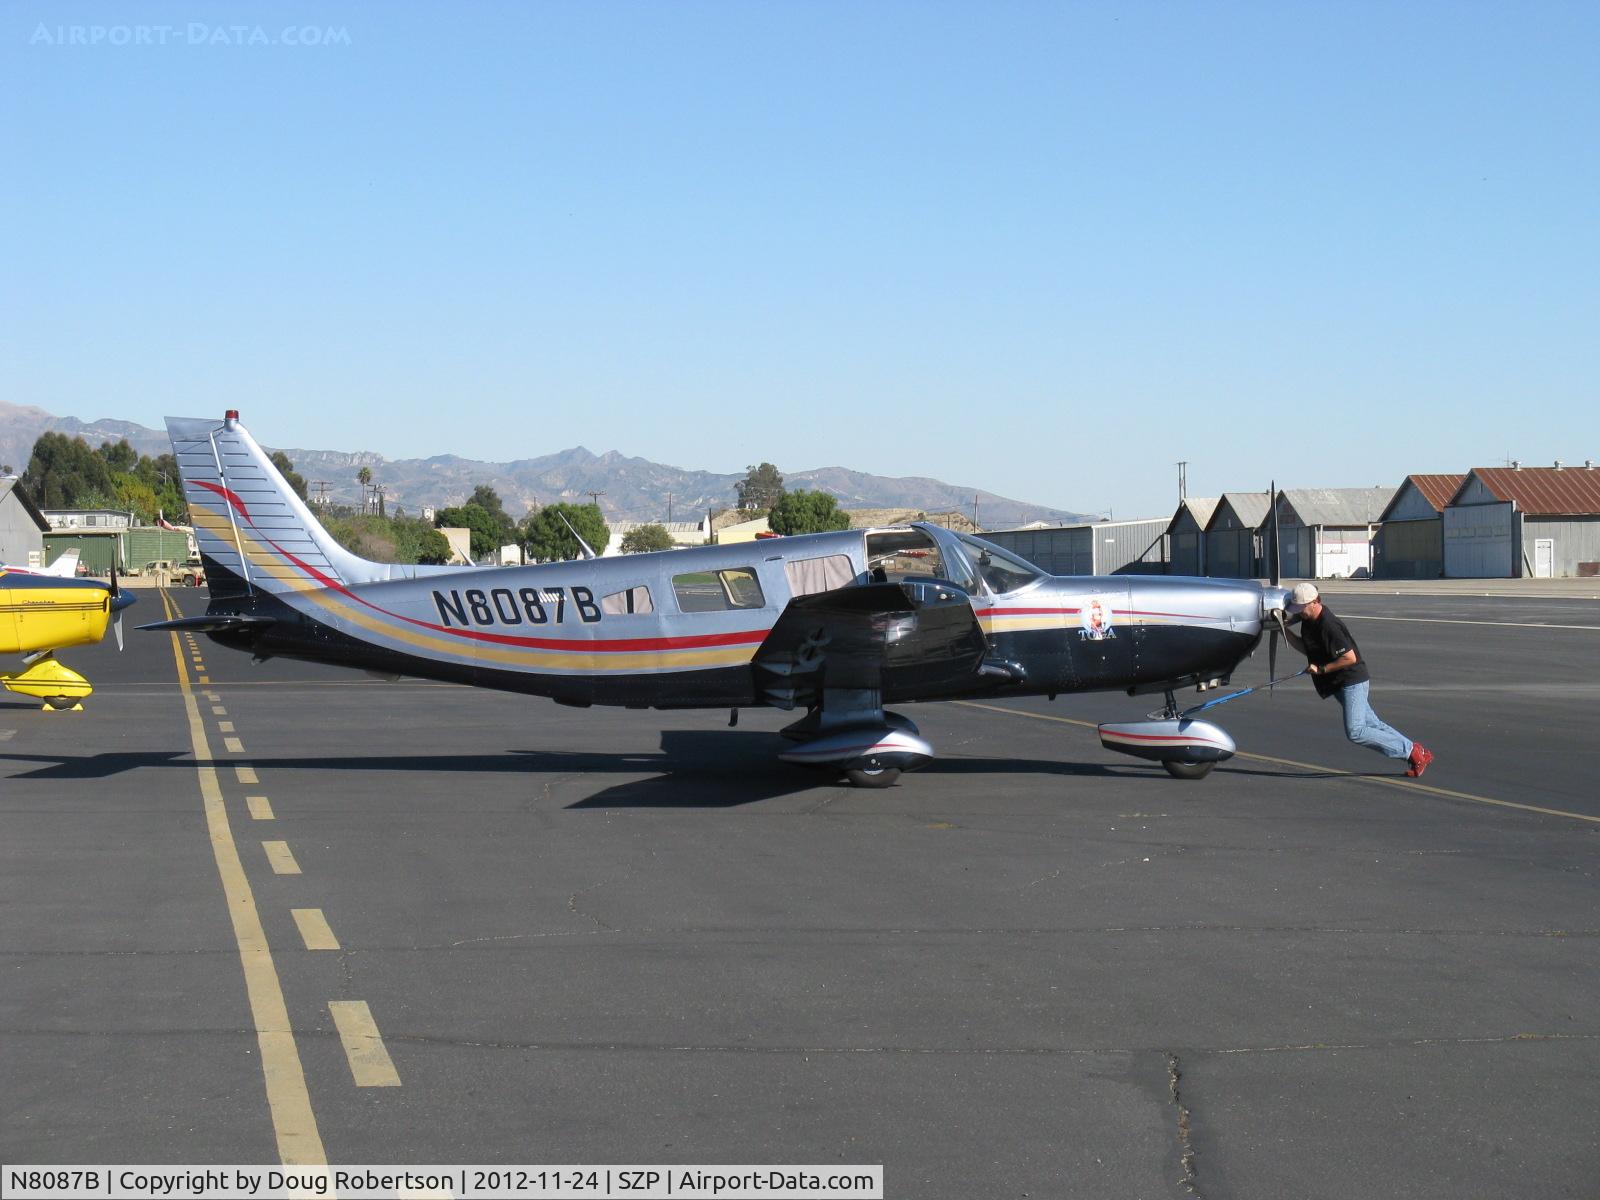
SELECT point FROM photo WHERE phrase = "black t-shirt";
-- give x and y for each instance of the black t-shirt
(1326, 639)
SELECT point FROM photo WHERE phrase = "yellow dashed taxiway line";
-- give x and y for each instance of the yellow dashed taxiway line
(260, 808)
(299, 1142)
(370, 1063)
(279, 859)
(1409, 785)
(314, 929)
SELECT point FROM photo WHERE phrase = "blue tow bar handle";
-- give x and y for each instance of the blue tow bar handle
(1200, 708)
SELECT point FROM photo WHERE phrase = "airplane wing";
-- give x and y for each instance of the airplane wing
(916, 639)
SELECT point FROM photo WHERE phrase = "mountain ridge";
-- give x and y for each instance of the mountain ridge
(632, 488)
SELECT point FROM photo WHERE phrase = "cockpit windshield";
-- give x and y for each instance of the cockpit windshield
(900, 555)
(1001, 570)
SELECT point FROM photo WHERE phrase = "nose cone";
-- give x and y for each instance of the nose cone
(121, 600)
(1273, 596)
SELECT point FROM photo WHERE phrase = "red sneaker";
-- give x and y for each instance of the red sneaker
(1421, 756)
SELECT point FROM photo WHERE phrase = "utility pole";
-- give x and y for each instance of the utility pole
(975, 512)
(594, 498)
(322, 486)
(669, 508)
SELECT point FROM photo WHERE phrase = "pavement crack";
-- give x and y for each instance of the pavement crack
(1186, 1153)
(572, 906)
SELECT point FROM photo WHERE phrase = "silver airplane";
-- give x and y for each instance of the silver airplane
(832, 625)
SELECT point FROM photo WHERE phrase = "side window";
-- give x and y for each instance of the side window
(718, 591)
(810, 575)
(634, 600)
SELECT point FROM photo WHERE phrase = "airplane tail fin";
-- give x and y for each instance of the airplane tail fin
(65, 565)
(254, 533)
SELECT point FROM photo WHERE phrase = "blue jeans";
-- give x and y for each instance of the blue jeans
(1361, 724)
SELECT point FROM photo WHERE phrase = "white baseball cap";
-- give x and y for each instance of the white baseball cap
(1303, 594)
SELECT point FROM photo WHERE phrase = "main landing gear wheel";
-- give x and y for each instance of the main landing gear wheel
(1188, 770)
(873, 777)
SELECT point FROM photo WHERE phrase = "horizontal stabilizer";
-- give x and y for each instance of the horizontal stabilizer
(213, 623)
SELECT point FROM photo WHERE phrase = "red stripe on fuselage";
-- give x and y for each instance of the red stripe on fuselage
(231, 497)
(591, 645)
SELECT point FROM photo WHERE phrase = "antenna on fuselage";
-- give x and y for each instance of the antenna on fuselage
(588, 550)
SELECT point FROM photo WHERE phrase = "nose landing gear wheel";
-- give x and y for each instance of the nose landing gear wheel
(1188, 770)
(873, 777)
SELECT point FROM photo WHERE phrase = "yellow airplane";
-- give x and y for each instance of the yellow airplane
(42, 612)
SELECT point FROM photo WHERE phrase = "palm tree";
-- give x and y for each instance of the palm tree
(364, 477)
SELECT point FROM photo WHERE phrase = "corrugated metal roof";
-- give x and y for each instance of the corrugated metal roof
(1199, 508)
(1338, 506)
(1545, 491)
(1250, 507)
(1437, 489)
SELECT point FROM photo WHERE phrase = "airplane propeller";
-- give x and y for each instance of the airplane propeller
(119, 601)
(1277, 626)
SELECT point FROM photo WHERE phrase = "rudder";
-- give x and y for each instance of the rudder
(252, 530)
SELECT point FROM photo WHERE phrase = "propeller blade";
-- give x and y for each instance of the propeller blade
(1277, 554)
(116, 625)
(1272, 655)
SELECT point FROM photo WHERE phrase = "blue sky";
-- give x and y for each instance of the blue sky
(1043, 249)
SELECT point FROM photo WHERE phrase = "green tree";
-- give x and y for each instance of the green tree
(120, 458)
(432, 546)
(297, 482)
(549, 540)
(760, 489)
(417, 541)
(487, 532)
(402, 540)
(645, 538)
(807, 512)
(137, 496)
(160, 475)
(64, 473)
(486, 498)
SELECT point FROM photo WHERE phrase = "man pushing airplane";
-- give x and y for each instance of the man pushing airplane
(1337, 669)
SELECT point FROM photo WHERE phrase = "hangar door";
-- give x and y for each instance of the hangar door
(1479, 541)
(1410, 549)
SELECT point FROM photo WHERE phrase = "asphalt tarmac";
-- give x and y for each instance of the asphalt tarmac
(1036, 968)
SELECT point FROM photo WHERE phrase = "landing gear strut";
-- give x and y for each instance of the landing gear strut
(1180, 768)
(852, 734)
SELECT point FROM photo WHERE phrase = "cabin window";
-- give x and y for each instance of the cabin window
(718, 591)
(633, 600)
(808, 576)
(896, 555)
